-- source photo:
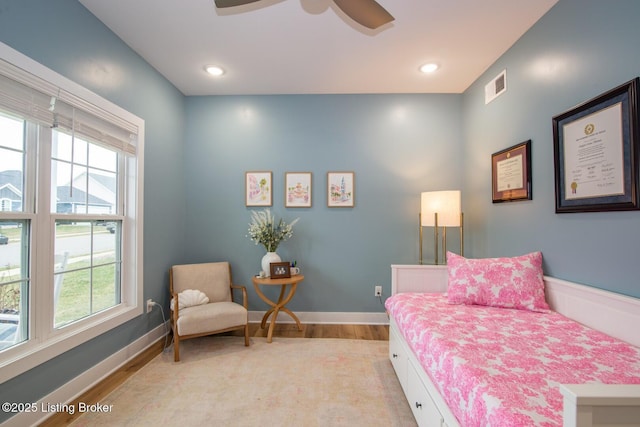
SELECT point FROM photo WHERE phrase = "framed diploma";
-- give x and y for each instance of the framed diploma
(511, 173)
(595, 153)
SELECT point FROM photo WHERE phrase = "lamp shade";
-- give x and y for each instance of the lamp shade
(445, 203)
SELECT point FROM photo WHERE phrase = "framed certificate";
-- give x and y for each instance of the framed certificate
(511, 173)
(595, 153)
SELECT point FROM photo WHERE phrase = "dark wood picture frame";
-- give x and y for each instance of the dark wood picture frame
(280, 270)
(511, 173)
(596, 151)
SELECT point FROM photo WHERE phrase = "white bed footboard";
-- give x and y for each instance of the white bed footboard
(595, 405)
(585, 405)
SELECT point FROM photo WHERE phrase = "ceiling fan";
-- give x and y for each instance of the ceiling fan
(365, 12)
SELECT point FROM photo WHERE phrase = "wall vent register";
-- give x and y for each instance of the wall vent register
(495, 87)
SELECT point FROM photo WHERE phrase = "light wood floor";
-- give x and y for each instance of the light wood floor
(290, 330)
(106, 386)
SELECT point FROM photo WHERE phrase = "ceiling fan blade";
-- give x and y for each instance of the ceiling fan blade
(365, 12)
(233, 3)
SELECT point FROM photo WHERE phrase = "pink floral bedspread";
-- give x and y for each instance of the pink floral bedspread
(502, 367)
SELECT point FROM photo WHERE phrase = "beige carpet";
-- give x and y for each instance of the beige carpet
(290, 382)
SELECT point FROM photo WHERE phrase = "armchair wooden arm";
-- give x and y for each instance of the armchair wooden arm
(176, 308)
(245, 302)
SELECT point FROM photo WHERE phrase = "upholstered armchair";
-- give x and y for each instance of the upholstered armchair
(194, 316)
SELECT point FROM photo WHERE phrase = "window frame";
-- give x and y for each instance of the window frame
(45, 341)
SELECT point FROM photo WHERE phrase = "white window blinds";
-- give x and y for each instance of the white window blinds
(35, 99)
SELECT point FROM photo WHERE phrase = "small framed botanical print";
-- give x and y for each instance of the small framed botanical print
(297, 189)
(258, 188)
(340, 189)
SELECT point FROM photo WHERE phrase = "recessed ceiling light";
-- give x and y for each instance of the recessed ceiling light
(214, 70)
(429, 68)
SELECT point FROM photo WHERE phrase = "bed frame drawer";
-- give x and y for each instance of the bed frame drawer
(424, 409)
(399, 358)
(410, 375)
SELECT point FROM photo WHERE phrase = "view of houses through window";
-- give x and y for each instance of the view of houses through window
(83, 225)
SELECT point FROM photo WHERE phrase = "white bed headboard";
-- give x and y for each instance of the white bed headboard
(614, 314)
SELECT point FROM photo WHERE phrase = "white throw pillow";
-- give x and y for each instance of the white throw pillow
(189, 298)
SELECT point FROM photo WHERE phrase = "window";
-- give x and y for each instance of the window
(87, 254)
(70, 186)
(14, 277)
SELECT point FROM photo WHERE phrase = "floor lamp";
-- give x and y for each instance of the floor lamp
(441, 209)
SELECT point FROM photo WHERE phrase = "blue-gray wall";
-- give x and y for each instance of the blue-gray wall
(397, 145)
(198, 149)
(579, 50)
(65, 37)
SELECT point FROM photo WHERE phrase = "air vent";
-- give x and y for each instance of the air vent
(495, 87)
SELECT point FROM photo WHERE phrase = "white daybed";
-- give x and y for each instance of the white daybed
(584, 405)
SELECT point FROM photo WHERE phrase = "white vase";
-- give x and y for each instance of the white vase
(267, 259)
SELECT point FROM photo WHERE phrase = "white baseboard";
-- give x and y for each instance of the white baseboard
(85, 381)
(329, 317)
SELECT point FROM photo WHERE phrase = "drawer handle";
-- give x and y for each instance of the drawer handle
(395, 356)
(418, 405)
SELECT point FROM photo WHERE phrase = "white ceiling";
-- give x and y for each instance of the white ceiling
(311, 47)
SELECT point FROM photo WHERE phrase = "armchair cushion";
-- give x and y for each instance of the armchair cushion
(204, 318)
(214, 279)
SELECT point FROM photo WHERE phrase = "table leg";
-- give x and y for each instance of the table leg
(265, 318)
(274, 313)
(293, 316)
(277, 307)
(268, 301)
(272, 325)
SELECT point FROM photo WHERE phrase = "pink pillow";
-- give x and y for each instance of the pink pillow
(498, 282)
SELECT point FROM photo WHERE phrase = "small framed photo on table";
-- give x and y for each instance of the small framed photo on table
(280, 270)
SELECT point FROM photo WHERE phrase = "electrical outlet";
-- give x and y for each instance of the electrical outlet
(150, 305)
(378, 291)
